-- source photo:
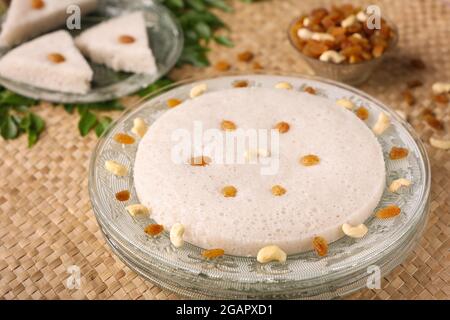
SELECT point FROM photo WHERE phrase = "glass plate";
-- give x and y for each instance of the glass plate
(166, 41)
(305, 275)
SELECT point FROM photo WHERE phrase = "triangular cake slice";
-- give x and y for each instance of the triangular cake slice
(51, 62)
(28, 18)
(120, 43)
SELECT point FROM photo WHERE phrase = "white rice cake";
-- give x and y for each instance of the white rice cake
(50, 62)
(28, 18)
(120, 43)
(345, 187)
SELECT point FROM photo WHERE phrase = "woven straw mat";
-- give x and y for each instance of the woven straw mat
(47, 223)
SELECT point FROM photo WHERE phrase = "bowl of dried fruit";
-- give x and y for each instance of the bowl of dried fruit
(343, 43)
(162, 252)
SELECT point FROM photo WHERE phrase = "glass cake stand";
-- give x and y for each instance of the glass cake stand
(166, 41)
(347, 267)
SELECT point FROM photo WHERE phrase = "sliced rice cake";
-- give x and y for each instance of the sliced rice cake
(120, 43)
(50, 62)
(28, 18)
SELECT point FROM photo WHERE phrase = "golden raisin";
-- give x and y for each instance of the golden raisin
(154, 229)
(240, 84)
(309, 160)
(314, 48)
(408, 97)
(388, 212)
(433, 122)
(310, 90)
(213, 253)
(56, 57)
(172, 103)
(320, 245)
(398, 153)
(278, 190)
(126, 39)
(441, 98)
(124, 138)
(200, 161)
(229, 191)
(362, 113)
(228, 125)
(378, 50)
(222, 66)
(123, 195)
(257, 66)
(245, 56)
(282, 127)
(37, 4)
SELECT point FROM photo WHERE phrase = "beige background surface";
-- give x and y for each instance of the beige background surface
(46, 222)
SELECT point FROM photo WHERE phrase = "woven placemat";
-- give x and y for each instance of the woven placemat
(46, 222)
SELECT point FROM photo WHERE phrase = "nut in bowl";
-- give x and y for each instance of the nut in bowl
(344, 43)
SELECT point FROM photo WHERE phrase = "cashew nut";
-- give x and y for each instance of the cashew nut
(440, 143)
(139, 127)
(382, 124)
(331, 55)
(198, 90)
(397, 184)
(176, 235)
(349, 21)
(271, 253)
(307, 34)
(441, 87)
(284, 85)
(361, 16)
(116, 168)
(306, 22)
(137, 210)
(357, 35)
(347, 104)
(354, 232)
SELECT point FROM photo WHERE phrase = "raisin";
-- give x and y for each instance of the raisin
(227, 125)
(278, 190)
(362, 113)
(154, 229)
(417, 63)
(124, 138)
(56, 57)
(320, 245)
(433, 122)
(126, 39)
(257, 66)
(310, 90)
(388, 212)
(414, 83)
(240, 84)
(282, 127)
(222, 66)
(229, 191)
(245, 56)
(397, 153)
(378, 50)
(200, 161)
(213, 253)
(309, 160)
(441, 98)
(37, 4)
(123, 196)
(408, 97)
(314, 48)
(172, 103)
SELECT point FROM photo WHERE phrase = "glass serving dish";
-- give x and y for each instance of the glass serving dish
(166, 41)
(304, 275)
(353, 74)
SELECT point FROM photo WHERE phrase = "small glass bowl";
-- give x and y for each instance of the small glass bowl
(349, 263)
(353, 74)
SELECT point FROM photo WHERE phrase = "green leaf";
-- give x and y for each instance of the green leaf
(196, 5)
(12, 99)
(87, 122)
(203, 30)
(158, 85)
(9, 129)
(195, 55)
(102, 126)
(190, 18)
(174, 4)
(69, 108)
(220, 4)
(37, 123)
(33, 137)
(224, 41)
(25, 123)
(113, 105)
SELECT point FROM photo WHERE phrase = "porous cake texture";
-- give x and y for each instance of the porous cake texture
(344, 187)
